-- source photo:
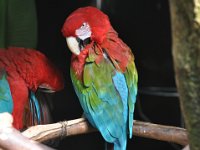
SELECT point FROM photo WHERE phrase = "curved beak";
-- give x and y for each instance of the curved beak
(73, 45)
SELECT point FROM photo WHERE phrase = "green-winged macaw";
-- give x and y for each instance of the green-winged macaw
(22, 72)
(103, 74)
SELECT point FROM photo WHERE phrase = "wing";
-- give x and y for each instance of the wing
(6, 101)
(101, 99)
(131, 80)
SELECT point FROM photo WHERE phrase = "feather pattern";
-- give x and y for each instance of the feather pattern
(36, 112)
(35, 109)
(6, 101)
(108, 97)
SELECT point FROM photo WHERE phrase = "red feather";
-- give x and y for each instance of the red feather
(78, 63)
(117, 50)
(27, 69)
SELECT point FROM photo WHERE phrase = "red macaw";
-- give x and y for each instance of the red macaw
(23, 71)
(103, 74)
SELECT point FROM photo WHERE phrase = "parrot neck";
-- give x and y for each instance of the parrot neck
(78, 62)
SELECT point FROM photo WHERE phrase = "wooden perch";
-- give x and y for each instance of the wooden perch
(11, 138)
(186, 148)
(43, 133)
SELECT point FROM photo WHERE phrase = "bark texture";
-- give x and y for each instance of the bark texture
(185, 21)
(79, 126)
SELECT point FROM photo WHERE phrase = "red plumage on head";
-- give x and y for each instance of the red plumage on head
(27, 69)
(98, 21)
(103, 36)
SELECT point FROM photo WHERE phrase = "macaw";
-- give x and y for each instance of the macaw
(22, 72)
(103, 73)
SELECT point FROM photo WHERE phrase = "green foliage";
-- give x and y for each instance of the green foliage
(18, 23)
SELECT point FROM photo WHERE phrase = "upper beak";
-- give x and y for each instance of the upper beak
(73, 45)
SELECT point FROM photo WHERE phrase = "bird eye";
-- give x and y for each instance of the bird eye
(83, 25)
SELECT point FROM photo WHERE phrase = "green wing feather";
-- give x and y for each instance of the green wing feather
(132, 80)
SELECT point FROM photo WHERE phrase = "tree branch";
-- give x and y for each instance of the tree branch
(185, 19)
(11, 139)
(43, 133)
(186, 148)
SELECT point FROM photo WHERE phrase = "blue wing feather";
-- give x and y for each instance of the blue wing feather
(6, 101)
(121, 86)
(35, 108)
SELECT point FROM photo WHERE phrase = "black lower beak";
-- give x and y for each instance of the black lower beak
(83, 43)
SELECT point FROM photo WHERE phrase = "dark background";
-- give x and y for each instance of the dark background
(145, 27)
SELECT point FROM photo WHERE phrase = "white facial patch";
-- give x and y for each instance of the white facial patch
(84, 31)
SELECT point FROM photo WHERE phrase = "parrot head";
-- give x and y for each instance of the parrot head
(83, 26)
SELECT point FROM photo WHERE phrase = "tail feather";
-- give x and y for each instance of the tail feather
(109, 146)
(45, 104)
(36, 111)
(121, 143)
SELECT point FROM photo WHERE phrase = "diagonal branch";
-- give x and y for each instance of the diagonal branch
(81, 126)
(11, 138)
